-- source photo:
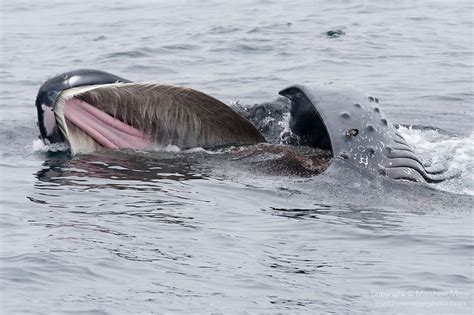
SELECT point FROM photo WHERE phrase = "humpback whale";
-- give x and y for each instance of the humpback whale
(92, 110)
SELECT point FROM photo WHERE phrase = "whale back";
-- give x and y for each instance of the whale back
(353, 127)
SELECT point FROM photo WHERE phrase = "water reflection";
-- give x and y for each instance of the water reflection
(146, 167)
(361, 217)
(116, 186)
(64, 169)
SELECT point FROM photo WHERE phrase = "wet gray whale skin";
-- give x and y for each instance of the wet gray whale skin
(353, 127)
(339, 119)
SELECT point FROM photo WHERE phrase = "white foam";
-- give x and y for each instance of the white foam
(167, 148)
(171, 148)
(285, 124)
(445, 151)
(39, 146)
(201, 150)
(174, 148)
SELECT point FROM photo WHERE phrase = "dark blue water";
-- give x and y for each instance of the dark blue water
(158, 232)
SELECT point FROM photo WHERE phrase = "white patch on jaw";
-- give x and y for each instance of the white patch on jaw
(49, 119)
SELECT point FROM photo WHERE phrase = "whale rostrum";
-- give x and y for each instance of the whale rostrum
(353, 127)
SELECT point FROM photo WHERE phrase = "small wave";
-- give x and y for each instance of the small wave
(223, 29)
(168, 148)
(441, 150)
(39, 146)
(270, 28)
(180, 47)
(126, 54)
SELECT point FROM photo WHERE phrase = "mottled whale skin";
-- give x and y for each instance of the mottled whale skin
(353, 127)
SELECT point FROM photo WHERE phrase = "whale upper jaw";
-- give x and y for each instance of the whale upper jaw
(354, 128)
(52, 88)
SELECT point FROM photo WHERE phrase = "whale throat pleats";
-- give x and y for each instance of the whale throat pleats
(130, 115)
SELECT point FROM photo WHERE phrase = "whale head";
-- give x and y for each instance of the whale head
(50, 91)
(354, 128)
(91, 110)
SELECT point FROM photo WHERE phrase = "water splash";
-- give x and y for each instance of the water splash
(39, 146)
(441, 150)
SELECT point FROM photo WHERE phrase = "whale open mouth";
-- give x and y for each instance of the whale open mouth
(92, 110)
(140, 116)
(87, 128)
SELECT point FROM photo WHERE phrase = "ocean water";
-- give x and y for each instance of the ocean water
(160, 232)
